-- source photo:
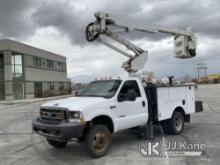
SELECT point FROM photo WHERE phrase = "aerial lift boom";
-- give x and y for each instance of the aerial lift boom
(106, 25)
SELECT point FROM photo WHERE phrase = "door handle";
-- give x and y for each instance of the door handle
(121, 116)
(113, 107)
(143, 103)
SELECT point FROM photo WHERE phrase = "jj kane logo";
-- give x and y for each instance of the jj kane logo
(151, 149)
(171, 148)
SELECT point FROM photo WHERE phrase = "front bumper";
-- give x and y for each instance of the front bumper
(62, 131)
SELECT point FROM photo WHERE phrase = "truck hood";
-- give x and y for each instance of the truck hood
(75, 103)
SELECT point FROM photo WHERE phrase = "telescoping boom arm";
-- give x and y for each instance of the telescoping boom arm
(106, 25)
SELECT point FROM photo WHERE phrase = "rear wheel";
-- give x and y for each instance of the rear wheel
(57, 144)
(97, 140)
(175, 125)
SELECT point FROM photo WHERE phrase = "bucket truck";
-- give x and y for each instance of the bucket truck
(106, 107)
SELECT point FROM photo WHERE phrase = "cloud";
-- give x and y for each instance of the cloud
(71, 17)
(63, 16)
(22, 18)
(202, 15)
(15, 21)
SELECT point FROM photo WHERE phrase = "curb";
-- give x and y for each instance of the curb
(34, 100)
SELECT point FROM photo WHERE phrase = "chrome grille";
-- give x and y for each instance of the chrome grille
(53, 115)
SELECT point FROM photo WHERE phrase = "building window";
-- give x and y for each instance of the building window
(2, 85)
(61, 86)
(49, 64)
(1, 67)
(38, 89)
(2, 91)
(59, 66)
(17, 68)
(43, 62)
(37, 61)
(51, 84)
(1, 60)
(18, 90)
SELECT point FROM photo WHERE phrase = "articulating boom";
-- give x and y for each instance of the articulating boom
(105, 24)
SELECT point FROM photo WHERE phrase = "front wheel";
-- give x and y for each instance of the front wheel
(175, 125)
(97, 140)
(57, 144)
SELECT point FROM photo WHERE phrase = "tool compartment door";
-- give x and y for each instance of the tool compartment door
(190, 102)
(169, 98)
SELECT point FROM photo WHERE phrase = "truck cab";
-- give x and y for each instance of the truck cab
(124, 102)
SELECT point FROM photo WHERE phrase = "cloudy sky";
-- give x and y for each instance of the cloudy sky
(58, 26)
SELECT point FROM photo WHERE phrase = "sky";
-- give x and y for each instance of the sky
(59, 26)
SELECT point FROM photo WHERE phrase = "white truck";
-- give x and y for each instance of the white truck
(107, 106)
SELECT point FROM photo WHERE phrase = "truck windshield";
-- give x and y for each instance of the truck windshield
(103, 88)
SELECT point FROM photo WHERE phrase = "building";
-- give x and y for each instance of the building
(28, 72)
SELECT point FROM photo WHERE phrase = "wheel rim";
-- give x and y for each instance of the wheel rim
(178, 122)
(99, 141)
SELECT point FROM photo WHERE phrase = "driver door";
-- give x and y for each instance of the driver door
(130, 113)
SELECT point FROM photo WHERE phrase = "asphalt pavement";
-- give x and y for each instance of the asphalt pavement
(19, 146)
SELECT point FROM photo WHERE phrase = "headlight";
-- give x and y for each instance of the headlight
(76, 116)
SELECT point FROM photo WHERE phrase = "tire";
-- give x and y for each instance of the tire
(175, 125)
(97, 140)
(57, 144)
